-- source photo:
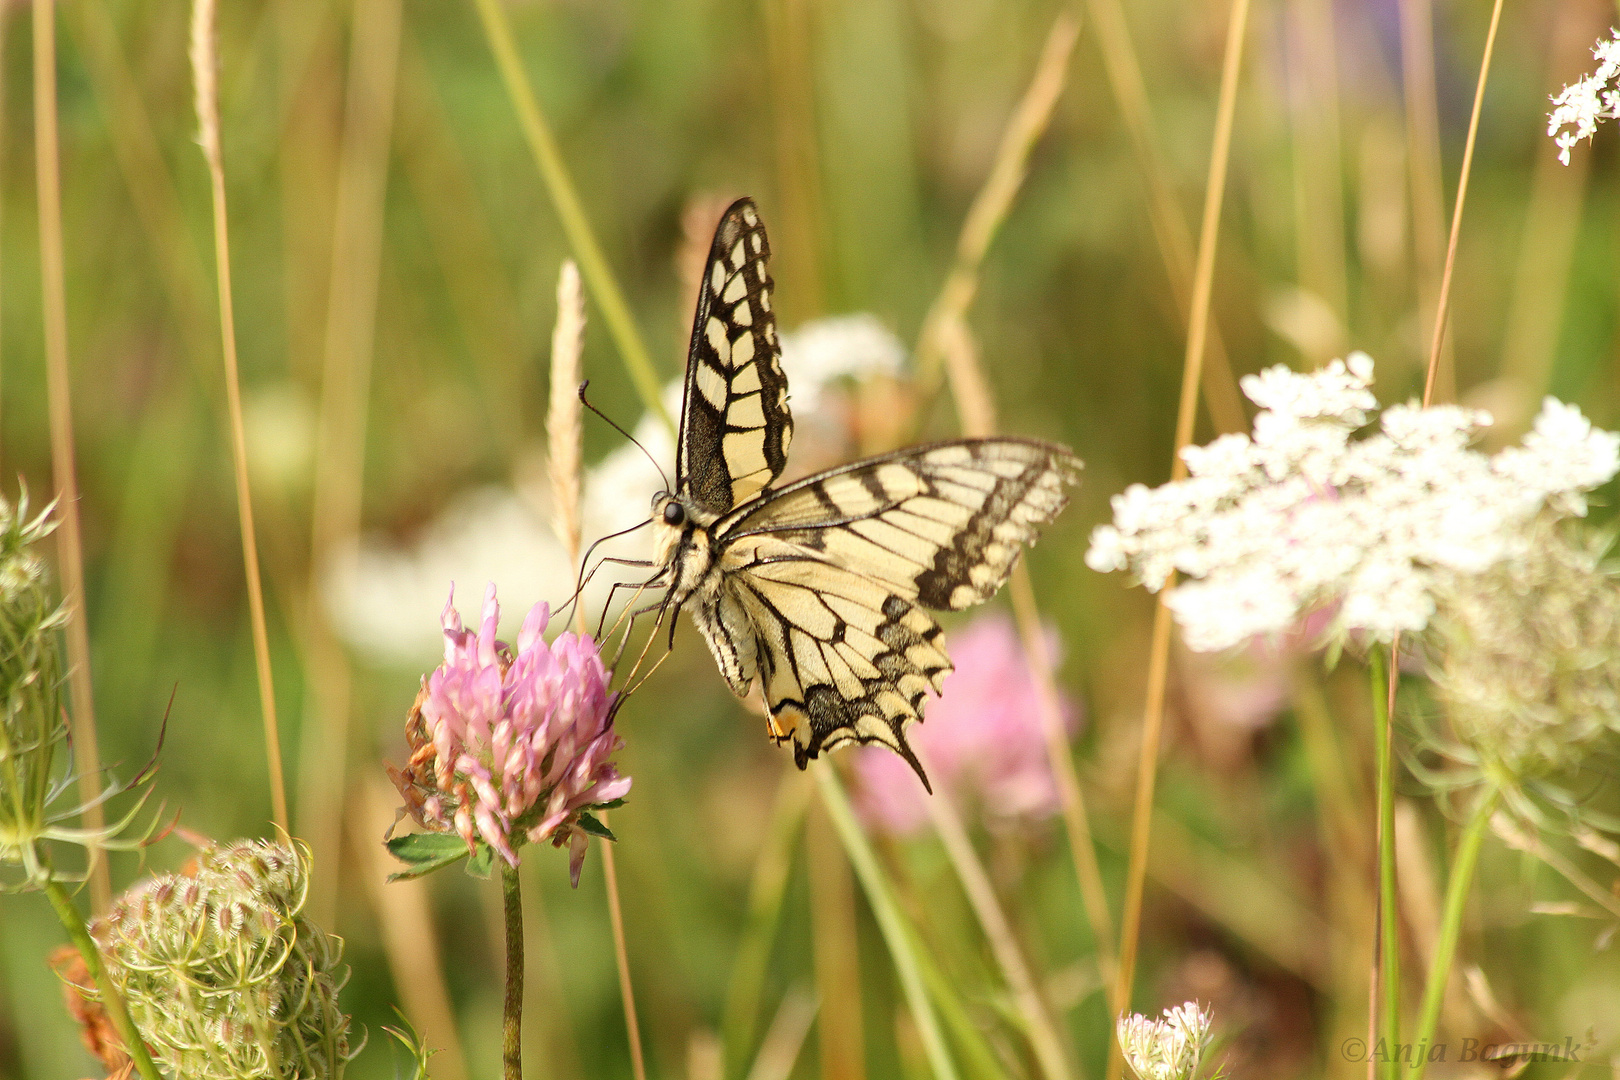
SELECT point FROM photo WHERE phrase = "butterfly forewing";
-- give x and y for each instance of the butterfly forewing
(940, 524)
(735, 423)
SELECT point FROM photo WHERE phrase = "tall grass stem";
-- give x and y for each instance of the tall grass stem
(1444, 300)
(621, 957)
(1387, 969)
(565, 199)
(1459, 881)
(896, 931)
(1043, 1036)
(1170, 231)
(1159, 655)
(994, 200)
(64, 472)
(205, 73)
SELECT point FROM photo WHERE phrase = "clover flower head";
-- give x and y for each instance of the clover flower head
(982, 739)
(1528, 664)
(1302, 516)
(1169, 1048)
(1581, 105)
(510, 746)
(222, 974)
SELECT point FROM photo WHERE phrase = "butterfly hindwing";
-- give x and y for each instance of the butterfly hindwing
(735, 422)
(839, 656)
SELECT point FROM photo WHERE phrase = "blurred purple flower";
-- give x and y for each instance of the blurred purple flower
(981, 739)
(512, 748)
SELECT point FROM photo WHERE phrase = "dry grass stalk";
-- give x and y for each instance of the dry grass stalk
(780, 1050)
(1170, 231)
(563, 418)
(1457, 209)
(610, 872)
(205, 81)
(948, 330)
(990, 206)
(64, 473)
(357, 236)
(1159, 656)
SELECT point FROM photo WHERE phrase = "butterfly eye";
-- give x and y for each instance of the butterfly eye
(674, 513)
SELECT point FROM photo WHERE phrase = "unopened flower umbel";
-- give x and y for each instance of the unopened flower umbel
(223, 976)
(1301, 516)
(31, 718)
(1169, 1048)
(512, 747)
(1529, 656)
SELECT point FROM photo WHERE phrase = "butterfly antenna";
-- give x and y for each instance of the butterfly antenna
(610, 422)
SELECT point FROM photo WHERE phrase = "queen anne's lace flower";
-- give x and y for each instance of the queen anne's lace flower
(512, 747)
(1301, 515)
(1166, 1049)
(1584, 103)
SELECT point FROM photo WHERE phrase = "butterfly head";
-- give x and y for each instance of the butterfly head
(670, 522)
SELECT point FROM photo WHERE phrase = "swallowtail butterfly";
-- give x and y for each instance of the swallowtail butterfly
(819, 588)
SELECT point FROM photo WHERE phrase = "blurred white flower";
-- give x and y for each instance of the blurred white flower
(1301, 516)
(384, 597)
(1587, 101)
(1166, 1049)
(824, 350)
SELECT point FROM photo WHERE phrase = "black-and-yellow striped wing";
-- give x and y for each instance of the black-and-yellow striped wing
(735, 423)
(824, 583)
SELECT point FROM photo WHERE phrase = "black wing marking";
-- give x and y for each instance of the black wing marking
(735, 423)
(941, 524)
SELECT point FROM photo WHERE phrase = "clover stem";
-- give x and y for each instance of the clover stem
(512, 1017)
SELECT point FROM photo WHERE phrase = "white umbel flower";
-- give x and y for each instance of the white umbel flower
(1300, 516)
(1581, 105)
(1169, 1048)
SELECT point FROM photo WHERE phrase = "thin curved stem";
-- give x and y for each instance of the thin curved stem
(1159, 656)
(1388, 967)
(890, 921)
(111, 1000)
(1445, 947)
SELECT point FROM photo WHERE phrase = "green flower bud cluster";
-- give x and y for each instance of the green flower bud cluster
(31, 717)
(1529, 665)
(223, 976)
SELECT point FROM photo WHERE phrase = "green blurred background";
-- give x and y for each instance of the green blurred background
(863, 128)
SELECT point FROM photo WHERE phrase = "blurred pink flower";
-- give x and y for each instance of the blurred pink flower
(982, 739)
(512, 747)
